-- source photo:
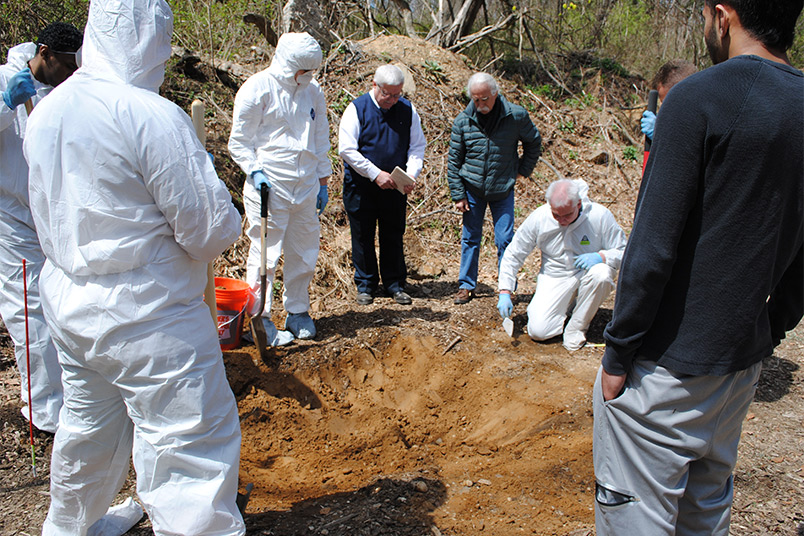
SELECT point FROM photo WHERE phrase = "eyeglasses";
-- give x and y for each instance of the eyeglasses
(389, 95)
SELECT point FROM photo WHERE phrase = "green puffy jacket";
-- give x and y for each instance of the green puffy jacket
(488, 163)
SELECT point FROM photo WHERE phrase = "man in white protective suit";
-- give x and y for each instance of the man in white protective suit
(280, 138)
(581, 246)
(129, 212)
(33, 69)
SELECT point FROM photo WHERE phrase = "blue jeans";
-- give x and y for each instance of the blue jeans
(502, 214)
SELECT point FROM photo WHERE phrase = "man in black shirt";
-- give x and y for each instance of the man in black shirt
(711, 280)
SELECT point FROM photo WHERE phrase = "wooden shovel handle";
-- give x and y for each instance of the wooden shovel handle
(197, 112)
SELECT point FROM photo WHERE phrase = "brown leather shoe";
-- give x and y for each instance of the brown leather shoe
(464, 295)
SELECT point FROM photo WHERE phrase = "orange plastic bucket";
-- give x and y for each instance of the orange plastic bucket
(231, 296)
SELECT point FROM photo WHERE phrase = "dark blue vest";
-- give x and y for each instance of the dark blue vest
(384, 139)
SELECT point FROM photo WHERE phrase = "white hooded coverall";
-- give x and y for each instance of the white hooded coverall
(280, 128)
(18, 241)
(129, 212)
(559, 281)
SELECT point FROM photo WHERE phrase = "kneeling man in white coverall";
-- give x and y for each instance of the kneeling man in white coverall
(129, 211)
(280, 138)
(581, 246)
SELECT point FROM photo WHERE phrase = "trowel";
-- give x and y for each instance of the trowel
(508, 326)
(257, 327)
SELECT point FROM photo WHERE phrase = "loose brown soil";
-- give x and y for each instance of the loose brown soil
(377, 428)
(428, 419)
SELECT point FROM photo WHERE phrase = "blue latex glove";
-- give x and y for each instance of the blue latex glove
(648, 122)
(211, 157)
(585, 261)
(20, 88)
(260, 179)
(323, 198)
(505, 305)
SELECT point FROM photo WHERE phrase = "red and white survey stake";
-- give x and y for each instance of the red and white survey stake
(28, 365)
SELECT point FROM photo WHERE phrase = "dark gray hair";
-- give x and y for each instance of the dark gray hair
(389, 75)
(484, 79)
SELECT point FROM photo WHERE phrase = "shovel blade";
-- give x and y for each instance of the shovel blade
(260, 337)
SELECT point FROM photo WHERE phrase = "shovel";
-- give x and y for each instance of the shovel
(257, 328)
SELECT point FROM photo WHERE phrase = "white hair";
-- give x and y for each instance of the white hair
(389, 75)
(563, 192)
(482, 79)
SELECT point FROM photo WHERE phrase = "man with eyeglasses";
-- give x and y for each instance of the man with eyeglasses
(483, 166)
(32, 71)
(379, 131)
(581, 247)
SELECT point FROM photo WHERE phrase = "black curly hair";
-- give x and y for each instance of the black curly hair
(772, 22)
(60, 37)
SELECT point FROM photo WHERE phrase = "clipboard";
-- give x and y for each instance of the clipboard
(401, 179)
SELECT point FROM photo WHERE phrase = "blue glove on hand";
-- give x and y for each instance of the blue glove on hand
(20, 89)
(648, 122)
(505, 305)
(260, 179)
(323, 199)
(587, 260)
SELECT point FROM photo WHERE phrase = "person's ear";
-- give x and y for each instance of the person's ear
(723, 20)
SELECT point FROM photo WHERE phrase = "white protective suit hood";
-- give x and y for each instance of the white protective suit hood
(129, 41)
(583, 191)
(19, 55)
(295, 52)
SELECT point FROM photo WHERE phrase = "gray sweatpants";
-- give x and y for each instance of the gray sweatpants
(665, 450)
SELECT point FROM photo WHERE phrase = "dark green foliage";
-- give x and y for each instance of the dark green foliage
(21, 20)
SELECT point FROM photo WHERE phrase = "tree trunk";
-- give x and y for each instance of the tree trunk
(407, 17)
(462, 24)
(263, 26)
(307, 16)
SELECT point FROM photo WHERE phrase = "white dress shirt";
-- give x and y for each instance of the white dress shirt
(350, 132)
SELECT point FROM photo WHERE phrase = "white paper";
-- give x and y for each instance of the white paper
(508, 326)
(401, 179)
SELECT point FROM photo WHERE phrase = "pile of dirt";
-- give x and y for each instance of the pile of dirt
(582, 137)
(428, 419)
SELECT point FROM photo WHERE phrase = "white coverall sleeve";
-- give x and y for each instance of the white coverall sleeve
(417, 145)
(348, 133)
(525, 240)
(613, 239)
(322, 137)
(188, 192)
(248, 110)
